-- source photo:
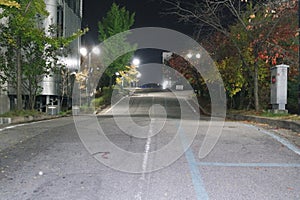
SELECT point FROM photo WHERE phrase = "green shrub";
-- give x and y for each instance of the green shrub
(269, 114)
(65, 113)
(105, 97)
(21, 113)
(98, 102)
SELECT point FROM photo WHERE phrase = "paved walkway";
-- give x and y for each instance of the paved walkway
(287, 129)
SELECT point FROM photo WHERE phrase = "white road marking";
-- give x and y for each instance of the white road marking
(283, 141)
(108, 110)
(193, 109)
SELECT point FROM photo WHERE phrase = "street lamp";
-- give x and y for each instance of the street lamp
(136, 62)
(190, 55)
(84, 52)
(96, 50)
(194, 61)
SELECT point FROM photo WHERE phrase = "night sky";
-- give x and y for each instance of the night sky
(148, 13)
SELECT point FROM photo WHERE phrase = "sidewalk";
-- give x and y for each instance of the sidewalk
(285, 128)
(293, 125)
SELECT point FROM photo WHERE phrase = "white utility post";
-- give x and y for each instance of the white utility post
(279, 88)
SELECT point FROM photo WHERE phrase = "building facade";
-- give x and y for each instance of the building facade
(66, 15)
(4, 100)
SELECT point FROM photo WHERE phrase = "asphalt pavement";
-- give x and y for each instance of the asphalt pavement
(140, 151)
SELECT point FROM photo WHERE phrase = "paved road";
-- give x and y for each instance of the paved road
(76, 163)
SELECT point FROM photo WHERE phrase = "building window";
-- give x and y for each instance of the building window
(60, 21)
(74, 5)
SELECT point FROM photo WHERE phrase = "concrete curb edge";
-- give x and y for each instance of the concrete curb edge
(286, 124)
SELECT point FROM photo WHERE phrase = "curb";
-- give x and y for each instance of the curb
(5, 121)
(285, 124)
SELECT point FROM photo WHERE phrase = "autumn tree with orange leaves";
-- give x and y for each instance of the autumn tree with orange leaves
(252, 37)
(186, 69)
(267, 36)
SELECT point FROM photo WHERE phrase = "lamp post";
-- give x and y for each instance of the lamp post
(136, 62)
(197, 55)
(194, 57)
(84, 52)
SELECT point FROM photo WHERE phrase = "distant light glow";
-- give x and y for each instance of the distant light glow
(96, 50)
(189, 55)
(83, 51)
(165, 84)
(136, 61)
(198, 55)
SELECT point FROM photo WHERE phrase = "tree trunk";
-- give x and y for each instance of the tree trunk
(256, 99)
(19, 75)
(110, 81)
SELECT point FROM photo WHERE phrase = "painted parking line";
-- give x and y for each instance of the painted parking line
(221, 164)
(196, 176)
(197, 180)
(195, 173)
(283, 141)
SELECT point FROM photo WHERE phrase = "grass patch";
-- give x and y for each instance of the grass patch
(269, 114)
(244, 112)
(65, 113)
(97, 102)
(21, 113)
(283, 116)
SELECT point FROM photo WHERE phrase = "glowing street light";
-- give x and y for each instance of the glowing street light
(189, 55)
(136, 61)
(84, 52)
(96, 50)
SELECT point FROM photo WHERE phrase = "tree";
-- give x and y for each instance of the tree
(117, 20)
(127, 76)
(265, 38)
(9, 3)
(250, 27)
(30, 52)
(21, 27)
(186, 69)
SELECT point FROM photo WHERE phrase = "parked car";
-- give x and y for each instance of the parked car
(152, 85)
